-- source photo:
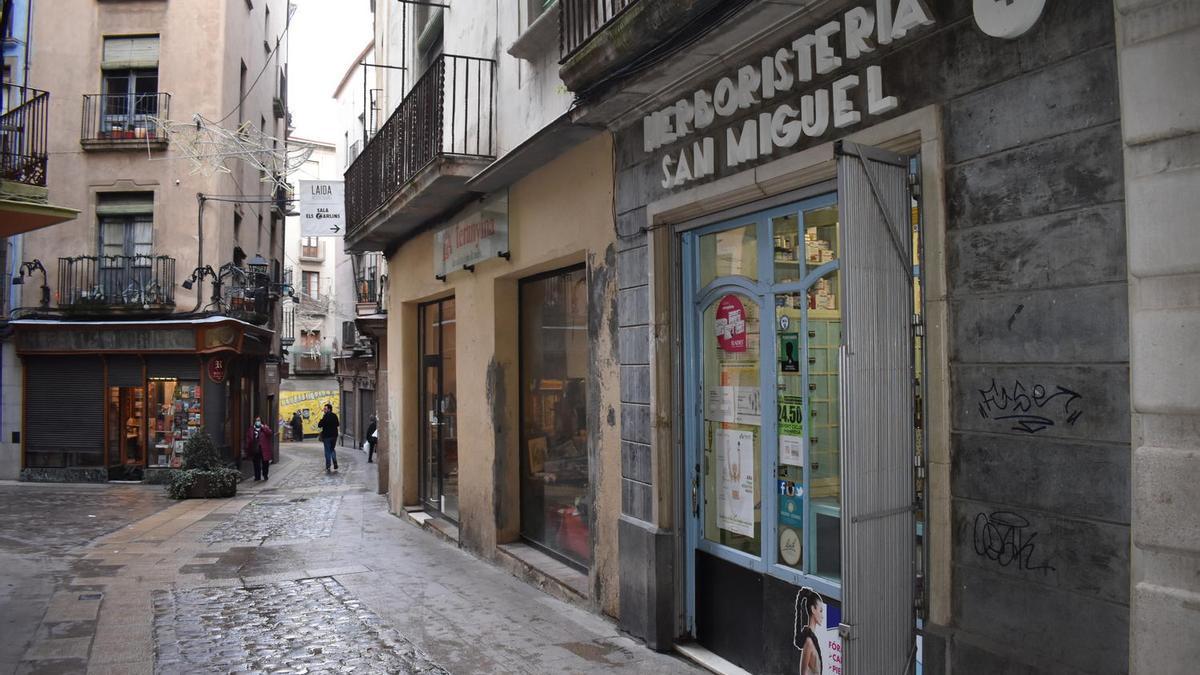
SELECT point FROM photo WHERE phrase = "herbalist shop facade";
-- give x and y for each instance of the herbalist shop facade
(118, 400)
(874, 274)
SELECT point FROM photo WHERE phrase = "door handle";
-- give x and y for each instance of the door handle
(696, 493)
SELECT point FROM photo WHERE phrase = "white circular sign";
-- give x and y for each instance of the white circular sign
(789, 546)
(1008, 19)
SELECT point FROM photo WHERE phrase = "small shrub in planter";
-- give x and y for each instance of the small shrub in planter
(203, 475)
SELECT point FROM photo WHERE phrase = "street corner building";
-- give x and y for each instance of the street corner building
(154, 313)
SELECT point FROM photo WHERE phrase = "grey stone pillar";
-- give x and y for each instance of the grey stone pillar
(1158, 43)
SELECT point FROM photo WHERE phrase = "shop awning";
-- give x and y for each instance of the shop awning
(18, 217)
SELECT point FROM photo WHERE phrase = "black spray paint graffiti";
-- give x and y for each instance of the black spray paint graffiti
(1001, 536)
(1029, 410)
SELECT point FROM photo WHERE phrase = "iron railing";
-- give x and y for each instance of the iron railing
(121, 117)
(116, 282)
(448, 112)
(23, 130)
(581, 20)
(287, 331)
(310, 362)
(367, 278)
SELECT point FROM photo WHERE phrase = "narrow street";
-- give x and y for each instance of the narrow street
(304, 573)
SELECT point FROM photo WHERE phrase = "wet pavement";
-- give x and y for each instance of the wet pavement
(310, 625)
(41, 528)
(278, 518)
(304, 573)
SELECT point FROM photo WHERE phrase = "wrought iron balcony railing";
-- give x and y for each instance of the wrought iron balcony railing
(124, 117)
(368, 278)
(121, 283)
(581, 20)
(23, 135)
(449, 112)
(287, 331)
(313, 362)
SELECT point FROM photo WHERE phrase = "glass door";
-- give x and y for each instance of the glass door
(126, 432)
(763, 451)
(439, 416)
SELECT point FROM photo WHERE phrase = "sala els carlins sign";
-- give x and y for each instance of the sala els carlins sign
(858, 32)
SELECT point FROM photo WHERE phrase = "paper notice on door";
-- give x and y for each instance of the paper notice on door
(791, 450)
(735, 497)
(736, 405)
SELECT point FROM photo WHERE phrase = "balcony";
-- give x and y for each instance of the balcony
(24, 199)
(287, 331)
(107, 285)
(116, 121)
(313, 303)
(23, 131)
(416, 167)
(313, 363)
(369, 283)
(582, 20)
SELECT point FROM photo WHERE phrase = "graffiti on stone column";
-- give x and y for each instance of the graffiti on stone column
(1030, 410)
(1005, 538)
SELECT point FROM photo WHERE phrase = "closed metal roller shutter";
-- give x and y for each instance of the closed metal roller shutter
(180, 367)
(124, 371)
(64, 403)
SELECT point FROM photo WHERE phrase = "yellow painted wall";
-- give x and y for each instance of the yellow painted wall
(560, 215)
(310, 404)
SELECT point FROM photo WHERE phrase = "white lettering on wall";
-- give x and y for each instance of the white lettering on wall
(858, 32)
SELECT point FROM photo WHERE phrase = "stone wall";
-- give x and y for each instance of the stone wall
(1039, 329)
(1157, 45)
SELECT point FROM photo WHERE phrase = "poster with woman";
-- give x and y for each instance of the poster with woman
(815, 634)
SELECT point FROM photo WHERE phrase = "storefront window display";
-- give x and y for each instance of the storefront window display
(555, 490)
(175, 407)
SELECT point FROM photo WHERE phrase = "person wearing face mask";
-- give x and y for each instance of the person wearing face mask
(258, 448)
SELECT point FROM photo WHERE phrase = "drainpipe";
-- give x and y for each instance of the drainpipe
(199, 284)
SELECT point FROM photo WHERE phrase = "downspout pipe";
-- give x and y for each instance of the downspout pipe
(199, 283)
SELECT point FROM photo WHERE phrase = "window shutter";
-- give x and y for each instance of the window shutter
(125, 203)
(131, 52)
(877, 411)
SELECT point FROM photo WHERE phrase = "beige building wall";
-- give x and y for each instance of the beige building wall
(202, 46)
(560, 215)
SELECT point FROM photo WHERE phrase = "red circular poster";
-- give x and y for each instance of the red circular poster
(731, 324)
(216, 369)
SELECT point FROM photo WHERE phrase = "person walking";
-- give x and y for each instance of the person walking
(297, 427)
(372, 439)
(258, 448)
(329, 436)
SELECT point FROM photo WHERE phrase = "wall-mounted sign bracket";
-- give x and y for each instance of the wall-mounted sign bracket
(440, 277)
(469, 268)
(507, 255)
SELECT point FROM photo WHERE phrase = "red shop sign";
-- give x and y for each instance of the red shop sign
(216, 369)
(731, 324)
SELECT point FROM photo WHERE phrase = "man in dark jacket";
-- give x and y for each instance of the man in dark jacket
(329, 435)
(372, 439)
(297, 426)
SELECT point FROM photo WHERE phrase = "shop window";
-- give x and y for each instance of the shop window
(556, 496)
(175, 409)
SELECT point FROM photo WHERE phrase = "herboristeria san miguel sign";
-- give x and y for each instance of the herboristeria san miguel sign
(803, 112)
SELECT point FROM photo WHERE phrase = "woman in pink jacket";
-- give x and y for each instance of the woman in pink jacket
(258, 448)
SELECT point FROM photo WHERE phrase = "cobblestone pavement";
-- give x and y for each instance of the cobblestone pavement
(305, 573)
(278, 518)
(309, 625)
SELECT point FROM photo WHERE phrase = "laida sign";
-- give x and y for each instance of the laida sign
(322, 208)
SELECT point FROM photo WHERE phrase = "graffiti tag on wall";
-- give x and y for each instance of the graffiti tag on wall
(1030, 410)
(1004, 537)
